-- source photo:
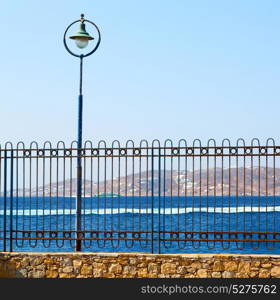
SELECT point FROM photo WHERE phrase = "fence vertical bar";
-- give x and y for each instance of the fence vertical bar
(5, 201)
(152, 225)
(11, 199)
(159, 192)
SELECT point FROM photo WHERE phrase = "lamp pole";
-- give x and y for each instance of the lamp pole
(81, 38)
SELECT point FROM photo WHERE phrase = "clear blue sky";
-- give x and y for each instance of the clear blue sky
(165, 69)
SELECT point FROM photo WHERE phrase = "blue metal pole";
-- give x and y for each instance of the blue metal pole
(79, 161)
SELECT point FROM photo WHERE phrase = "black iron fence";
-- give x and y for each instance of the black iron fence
(152, 197)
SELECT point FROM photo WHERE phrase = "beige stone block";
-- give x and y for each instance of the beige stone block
(66, 275)
(41, 267)
(168, 268)
(266, 266)
(109, 275)
(230, 266)
(25, 262)
(218, 266)
(86, 270)
(153, 268)
(196, 265)
(242, 275)
(97, 273)
(205, 266)
(255, 264)
(175, 276)
(99, 266)
(264, 273)
(51, 274)
(254, 274)
(48, 261)
(52, 268)
(133, 261)
(163, 276)
(22, 273)
(186, 262)
(216, 275)
(191, 270)
(122, 261)
(67, 269)
(189, 276)
(115, 268)
(244, 267)
(67, 262)
(37, 261)
(142, 273)
(228, 274)
(129, 270)
(181, 270)
(275, 272)
(77, 263)
(202, 273)
(142, 265)
(37, 274)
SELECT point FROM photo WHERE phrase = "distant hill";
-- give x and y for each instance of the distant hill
(258, 180)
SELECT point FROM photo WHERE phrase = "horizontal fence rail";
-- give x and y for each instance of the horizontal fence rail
(159, 197)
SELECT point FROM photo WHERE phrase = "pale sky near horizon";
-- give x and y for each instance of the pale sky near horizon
(164, 69)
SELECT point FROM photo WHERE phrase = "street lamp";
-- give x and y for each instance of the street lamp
(81, 38)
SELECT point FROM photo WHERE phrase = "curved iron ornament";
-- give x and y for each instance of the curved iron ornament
(92, 51)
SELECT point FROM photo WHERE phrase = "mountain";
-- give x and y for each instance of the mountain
(242, 181)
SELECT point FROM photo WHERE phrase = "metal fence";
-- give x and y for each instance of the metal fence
(152, 197)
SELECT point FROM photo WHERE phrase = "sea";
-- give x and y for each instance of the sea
(160, 224)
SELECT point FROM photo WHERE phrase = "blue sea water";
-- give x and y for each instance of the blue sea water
(174, 218)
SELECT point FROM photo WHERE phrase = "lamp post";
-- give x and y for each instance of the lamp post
(81, 38)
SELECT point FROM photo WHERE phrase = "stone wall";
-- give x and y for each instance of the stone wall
(125, 265)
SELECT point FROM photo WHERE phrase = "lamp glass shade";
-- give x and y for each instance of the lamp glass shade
(81, 37)
(81, 42)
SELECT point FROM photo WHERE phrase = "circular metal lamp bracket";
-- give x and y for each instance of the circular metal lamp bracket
(93, 50)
